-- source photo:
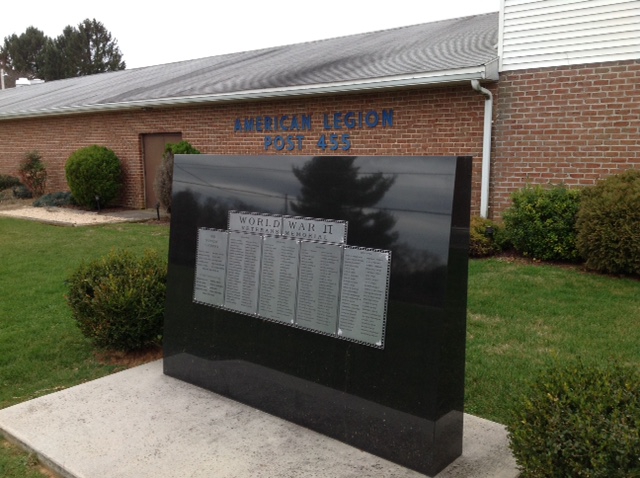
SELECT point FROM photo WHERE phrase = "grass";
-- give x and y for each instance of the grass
(14, 463)
(522, 318)
(41, 348)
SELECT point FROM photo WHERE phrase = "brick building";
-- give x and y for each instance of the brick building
(536, 93)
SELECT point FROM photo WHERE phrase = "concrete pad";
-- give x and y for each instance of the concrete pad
(140, 423)
(62, 216)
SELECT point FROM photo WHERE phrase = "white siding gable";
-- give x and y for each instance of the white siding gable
(540, 33)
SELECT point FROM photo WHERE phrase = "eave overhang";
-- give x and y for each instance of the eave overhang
(485, 72)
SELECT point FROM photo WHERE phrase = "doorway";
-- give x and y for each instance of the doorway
(153, 149)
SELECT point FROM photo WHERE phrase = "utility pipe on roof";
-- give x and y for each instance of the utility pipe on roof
(486, 147)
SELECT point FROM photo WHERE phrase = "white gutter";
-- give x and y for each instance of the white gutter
(486, 148)
(426, 79)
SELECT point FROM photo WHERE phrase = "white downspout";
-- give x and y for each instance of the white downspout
(486, 148)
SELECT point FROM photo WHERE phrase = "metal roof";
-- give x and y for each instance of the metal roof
(432, 53)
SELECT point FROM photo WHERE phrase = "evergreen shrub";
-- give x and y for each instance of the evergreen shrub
(22, 192)
(8, 182)
(94, 172)
(118, 300)
(33, 173)
(541, 222)
(609, 225)
(484, 237)
(59, 199)
(164, 177)
(579, 422)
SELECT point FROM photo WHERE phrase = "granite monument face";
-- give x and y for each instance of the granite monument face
(329, 291)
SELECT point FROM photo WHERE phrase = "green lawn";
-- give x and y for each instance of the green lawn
(41, 349)
(522, 319)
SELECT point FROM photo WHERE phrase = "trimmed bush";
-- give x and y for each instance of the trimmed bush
(8, 182)
(94, 172)
(609, 225)
(59, 199)
(164, 178)
(33, 173)
(541, 223)
(579, 422)
(484, 237)
(118, 301)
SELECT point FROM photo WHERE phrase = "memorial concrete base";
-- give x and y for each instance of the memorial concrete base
(140, 423)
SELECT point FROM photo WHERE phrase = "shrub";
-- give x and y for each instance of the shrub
(118, 300)
(33, 173)
(94, 172)
(609, 225)
(7, 182)
(579, 422)
(484, 237)
(58, 199)
(164, 178)
(541, 222)
(22, 192)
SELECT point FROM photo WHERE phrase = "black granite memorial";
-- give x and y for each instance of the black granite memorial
(329, 291)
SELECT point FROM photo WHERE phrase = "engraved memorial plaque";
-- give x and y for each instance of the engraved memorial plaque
(318, 286)
(211, 262)
(363, 298)
(279, 279)
(243, 269)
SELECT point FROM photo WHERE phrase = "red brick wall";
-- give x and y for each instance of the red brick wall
(568, 125)
(442, 121)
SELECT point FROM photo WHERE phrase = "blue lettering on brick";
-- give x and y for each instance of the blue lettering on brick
(349, 120)
(306, 122)
(372, 119)
(337, 120)
(387, 118)
(283, 125)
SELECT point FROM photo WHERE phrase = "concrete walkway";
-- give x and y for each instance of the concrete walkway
(140, 423)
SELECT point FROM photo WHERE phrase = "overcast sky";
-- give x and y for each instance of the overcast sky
(153, 33)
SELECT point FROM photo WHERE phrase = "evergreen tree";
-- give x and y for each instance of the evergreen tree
(57, 64)
(94, 50)
(86, 49)
(22, 56)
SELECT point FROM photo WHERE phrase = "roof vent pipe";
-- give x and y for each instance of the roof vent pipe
(486, 147)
